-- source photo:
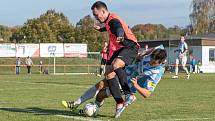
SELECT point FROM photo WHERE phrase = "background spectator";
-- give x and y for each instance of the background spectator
(18, 64)
(104, 54)
(41, 66)
(29, 63)
(193, 64)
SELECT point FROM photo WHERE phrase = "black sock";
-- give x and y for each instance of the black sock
(100, 71)
(123, 80)
(115, 90)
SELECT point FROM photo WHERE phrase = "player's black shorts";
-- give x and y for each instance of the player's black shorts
(127, 54)
(103, 61)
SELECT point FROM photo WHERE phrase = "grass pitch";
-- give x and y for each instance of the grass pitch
(38, 98)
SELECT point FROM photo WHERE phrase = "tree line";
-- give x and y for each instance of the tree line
(203, 16)
(54, 27)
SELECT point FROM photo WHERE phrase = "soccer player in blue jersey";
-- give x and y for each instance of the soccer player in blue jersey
(181, 58)
(143, 77)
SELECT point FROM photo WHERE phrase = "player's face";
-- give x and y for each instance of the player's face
(182, 39)
(99, 14)
(154, 62)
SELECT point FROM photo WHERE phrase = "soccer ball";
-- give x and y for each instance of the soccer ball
(91, 109)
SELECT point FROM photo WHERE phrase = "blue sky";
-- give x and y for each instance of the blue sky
(166, 12)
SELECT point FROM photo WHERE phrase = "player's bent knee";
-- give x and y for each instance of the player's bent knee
(110, 75)
(118, 63)
(101, 95)
(115, 66)
(100, 85)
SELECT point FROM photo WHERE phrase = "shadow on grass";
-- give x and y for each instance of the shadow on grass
(40, 111)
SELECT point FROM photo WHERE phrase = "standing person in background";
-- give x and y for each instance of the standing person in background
(181, 57)
(41, 66)
(28, 63)
(46, 70)
(104, 54)
(18, 64)
(193, 65)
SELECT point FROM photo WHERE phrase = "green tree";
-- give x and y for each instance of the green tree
(85, 33)
(5, 33)
(149, 31)
(203, 16)
(49, 27)
(175, 32)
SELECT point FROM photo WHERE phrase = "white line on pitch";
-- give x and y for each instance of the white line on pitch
(78, 118)
(44, 113)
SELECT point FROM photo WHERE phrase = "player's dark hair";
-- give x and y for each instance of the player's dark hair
(98, 5)
(159, 54)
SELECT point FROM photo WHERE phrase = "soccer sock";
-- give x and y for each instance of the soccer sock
(186, 70)
(176, 70)
(100, 71)
(115, 90)
(123, 80)
(90, 93)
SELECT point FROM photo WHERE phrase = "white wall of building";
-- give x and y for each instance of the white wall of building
(207, 67)
(205, 57)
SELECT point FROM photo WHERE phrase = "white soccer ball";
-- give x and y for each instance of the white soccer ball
(91, 109)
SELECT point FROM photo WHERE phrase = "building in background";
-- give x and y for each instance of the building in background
(201, 47)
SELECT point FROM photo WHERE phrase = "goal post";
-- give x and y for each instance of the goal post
(74, 65)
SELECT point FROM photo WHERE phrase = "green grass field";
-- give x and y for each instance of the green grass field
(38, 98)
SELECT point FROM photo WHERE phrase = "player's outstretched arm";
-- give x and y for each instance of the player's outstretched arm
(144, 92)
(176, 51)
(149, 51)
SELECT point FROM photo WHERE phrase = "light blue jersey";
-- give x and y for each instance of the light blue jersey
(147, 76)
(182, 48)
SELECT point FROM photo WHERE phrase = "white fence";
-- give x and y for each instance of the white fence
(43, 50)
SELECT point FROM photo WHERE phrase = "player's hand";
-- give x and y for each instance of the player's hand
(96, 27)
(134, 81)
(119, 39)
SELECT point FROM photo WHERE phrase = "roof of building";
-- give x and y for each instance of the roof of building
(194, 40)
